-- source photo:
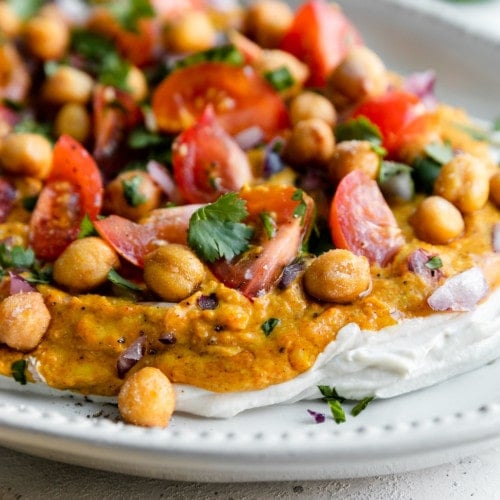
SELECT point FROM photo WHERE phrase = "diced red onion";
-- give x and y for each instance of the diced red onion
(208, 302)
(319, 418)
(496, 237)
(290, 272)
(162, 177)
(422, 84)
(19, 285)
(417, 263)
(131, 355)
(461, 292)
(250, 137)
(273, 162)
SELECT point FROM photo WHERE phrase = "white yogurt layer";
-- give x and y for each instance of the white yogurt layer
(414, 354)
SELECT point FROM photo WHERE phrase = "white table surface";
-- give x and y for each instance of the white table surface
(477, 477)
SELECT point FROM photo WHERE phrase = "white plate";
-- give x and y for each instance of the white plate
(428, 427)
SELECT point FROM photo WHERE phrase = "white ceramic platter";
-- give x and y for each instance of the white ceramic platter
(424, 428)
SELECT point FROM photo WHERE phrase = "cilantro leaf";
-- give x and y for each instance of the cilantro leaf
(280, 79)
(215, 230)
(434, 263)
(361, 405)
(132, 191)
(269, 325)
(129, 12)
(120, 281)
(86, 228)
(228, 54)
(301, 208)
(16, 257)
(360, 129)
(18, 371)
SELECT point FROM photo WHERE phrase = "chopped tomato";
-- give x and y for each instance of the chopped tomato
(320, 36)
(398, 114)
(241, 98)
(73, 190)
(254, 273)
(208, 162)
(362, 222)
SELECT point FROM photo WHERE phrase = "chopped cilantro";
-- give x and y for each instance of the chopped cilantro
(330, 393)
(441, 153)
(18, 371)
(425, 172)
(29, 125)
(86, 228)
(280, 78)
(434, 263)
(360, 129)
(338, 413)
(29, 202)
(141, 138)
(16, 257)
(269, 224)
(228, 54)
(25, 8)
(129, 12)
(132, 191)
(335, 401)
(396, 182)
(120, 281)
(301, 208)
(216, 231)
(269, 325)
(359, 407)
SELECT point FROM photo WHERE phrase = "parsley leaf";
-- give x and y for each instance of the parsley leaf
(18, 371)
(280, 79)
(269, 325)
(120, 281)
(215, 230)
(132, 191)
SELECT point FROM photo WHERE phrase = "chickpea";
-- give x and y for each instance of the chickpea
(437, 221)
(26, 154)
(10, 23)
(192, 32)
(312, 105)
(267, 21)
(353, 155)
(173, 272)
(359, 75)
(15, 79)
(147, 398)
(132, 194)
(495, 189)
(73, 119)
(24, 319)
(68, 84)
(272, 60)
(85, 264)
(47, 37)
(338, 276)
(137, 84)
(464, 181)
(311, 141)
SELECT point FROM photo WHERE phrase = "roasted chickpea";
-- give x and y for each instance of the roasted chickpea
(147, 398)
(73, 119)
(85, 264)
(47, 37)
(338, 276)
(191, 32)
(132, 194)
(312, 105)
(9, 21)
(464, 181)
(26, 154)
(173, 272)
(68, 84)
(24, 319)
(15, 79)
(359, 75)
(495, 189)
(267, 21)
(311, 141)
(437, 221)
(137, 84)
(353, 155)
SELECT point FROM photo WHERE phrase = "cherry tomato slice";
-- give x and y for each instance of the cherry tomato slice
(398, 114)
(362, 222)
(73, 190)
(320, 36)
(208, 162)
(240, 97)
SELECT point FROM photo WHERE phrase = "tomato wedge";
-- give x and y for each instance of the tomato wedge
(73, 190)
(320, 36)
(398, 114)
(362, 222)
(240, 97)
(208, 162)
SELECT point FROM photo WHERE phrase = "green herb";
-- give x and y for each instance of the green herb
(281, 78)
(16, 257)
(215, 230)
(153, 146)
(389, 169)
(13, 105)
(228, 54)
(29, 202)
(129, 12)
(132, 191)
(118, 280)
(141, 138)
(396, 182)
(434, 263)
(114, 71)
(269, 325)
(425, 172)
(330, 393)
(441, 153)
(28, 125)
(18, 371)
(360, 129)
(86, 228)
(301, 208)
(338, 413)
(269, 224)
(358, 408)
(481, 134)
(25, 8)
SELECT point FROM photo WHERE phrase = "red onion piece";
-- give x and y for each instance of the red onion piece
(162, 177)
(290, 272)
(417, 263)
(422, 84)
(208, 302)
(496, 237)
(461, 292)
(250, 137)
(131, 355)
(273, 162)
(319, 418)
(19, 285)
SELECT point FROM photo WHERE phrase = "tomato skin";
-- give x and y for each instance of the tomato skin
(241, 98)
(398, 114)
(208, 162)
(73, 190)
(320, 36)
(362, 222)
